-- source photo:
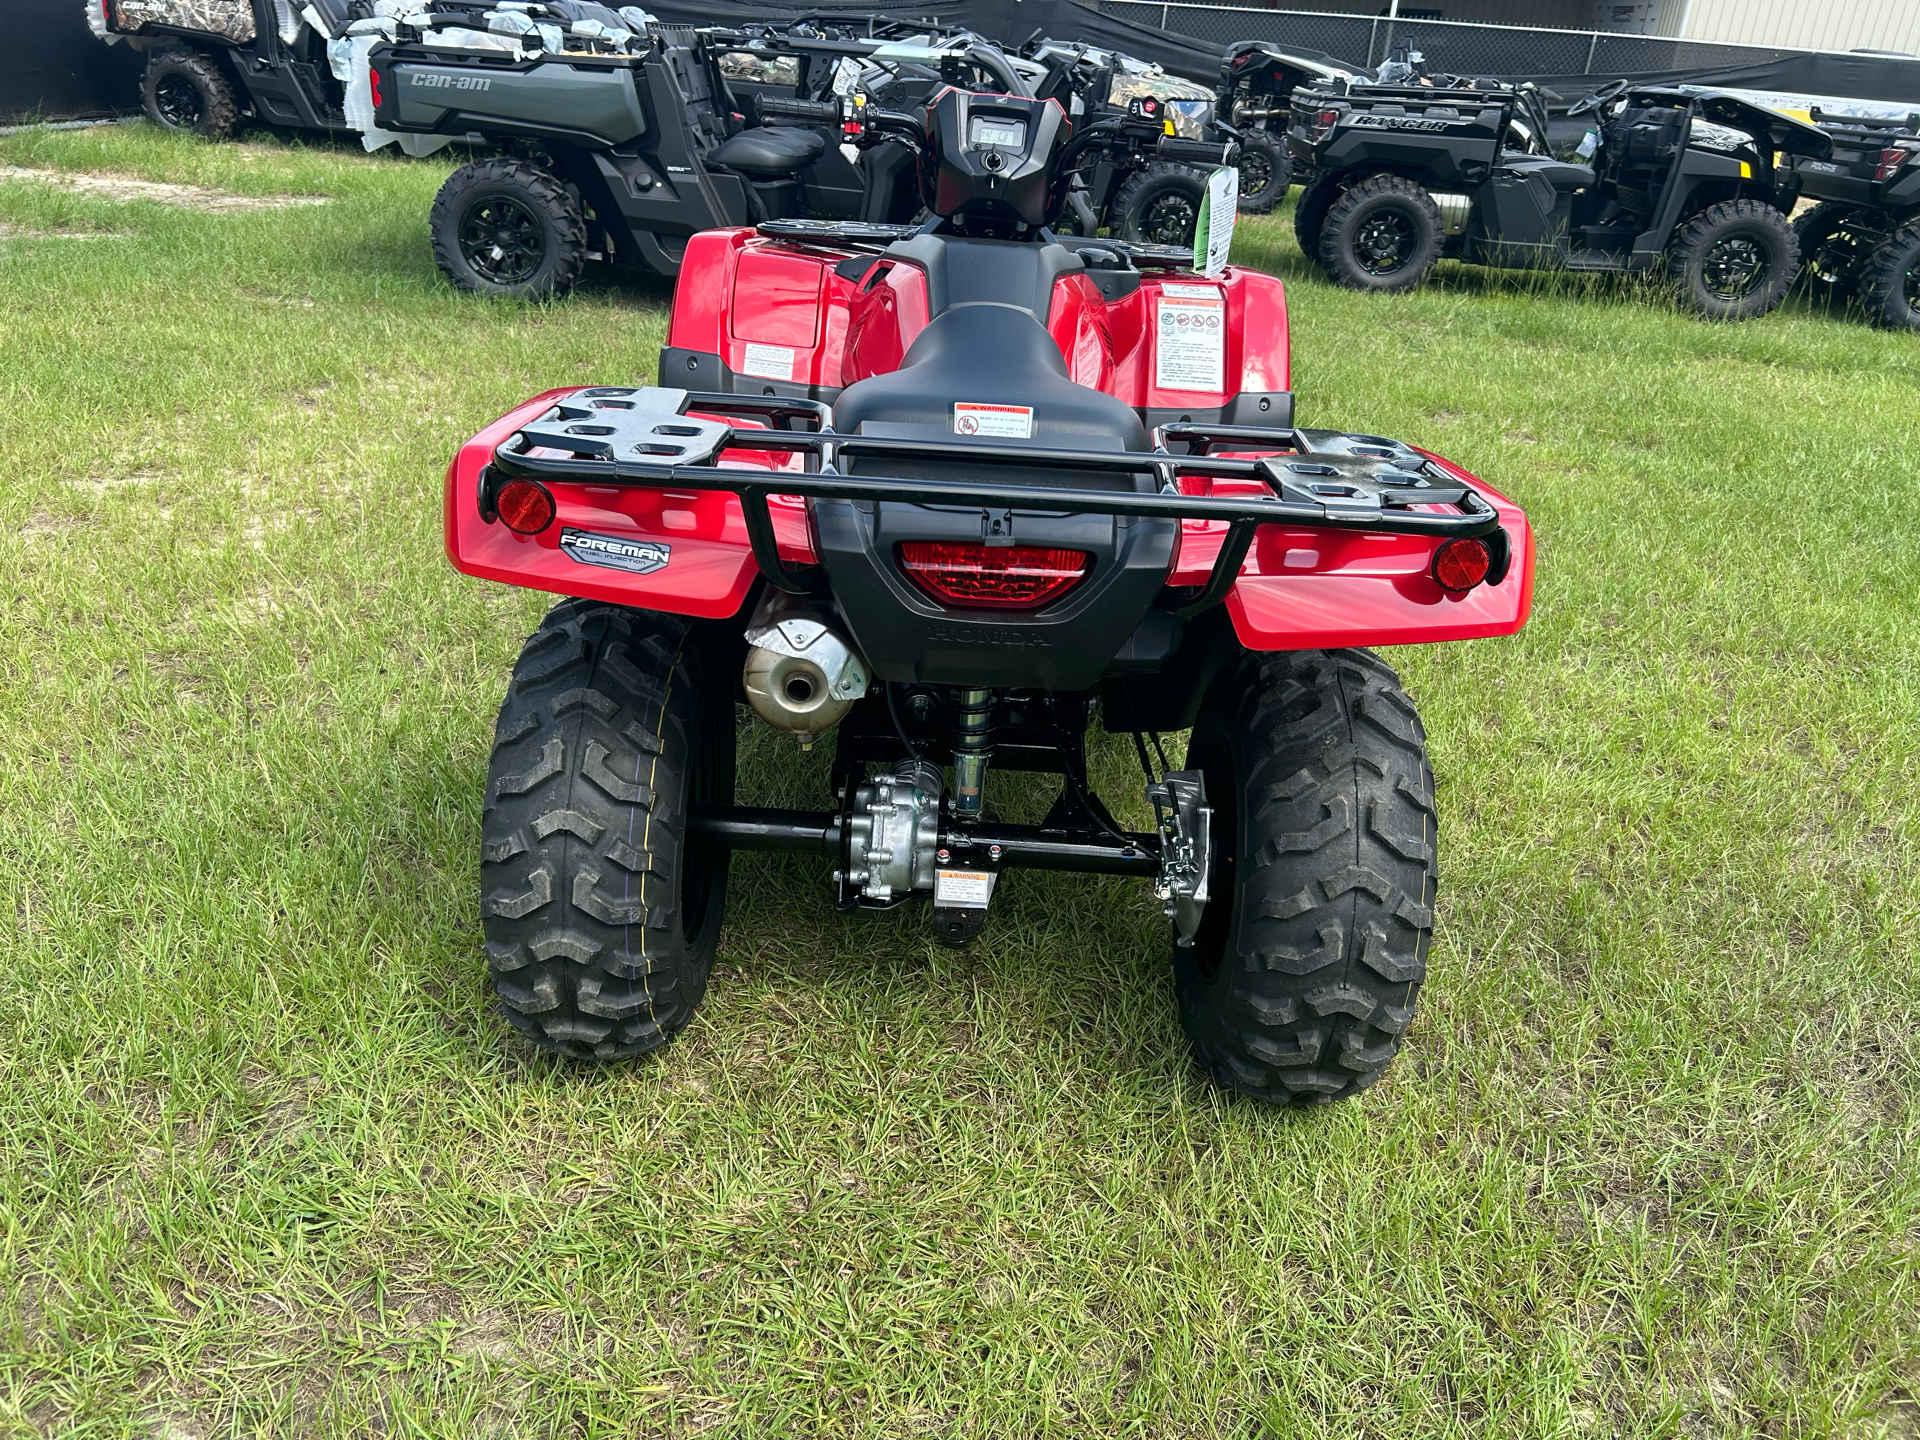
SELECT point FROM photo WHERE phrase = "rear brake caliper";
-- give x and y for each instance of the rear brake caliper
(1185, 820)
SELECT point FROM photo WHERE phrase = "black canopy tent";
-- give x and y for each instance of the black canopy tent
(59, 71)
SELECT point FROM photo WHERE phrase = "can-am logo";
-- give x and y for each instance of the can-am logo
(1398, 122)
(427, 81)
(616, 552)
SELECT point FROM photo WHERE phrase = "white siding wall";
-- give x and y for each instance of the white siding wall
(1829, 25)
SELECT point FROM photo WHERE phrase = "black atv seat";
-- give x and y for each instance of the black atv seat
(1008, 272)
(770, 151)
(990, 354)
(1561, 174)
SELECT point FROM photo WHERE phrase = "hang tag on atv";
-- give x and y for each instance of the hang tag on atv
(1213, 235)
(1000, 422)
(1190, 338)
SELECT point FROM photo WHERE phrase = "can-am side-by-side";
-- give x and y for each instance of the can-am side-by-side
(941, 496)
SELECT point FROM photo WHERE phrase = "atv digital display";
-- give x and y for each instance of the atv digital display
(997, 130)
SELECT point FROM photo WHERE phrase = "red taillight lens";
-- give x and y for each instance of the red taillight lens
(373, 83)
(1323, 124)
(524, 506)
(1891, 159)
(1462, 564)
(1004, 577)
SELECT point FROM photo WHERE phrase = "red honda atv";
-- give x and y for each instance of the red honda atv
(946, 493)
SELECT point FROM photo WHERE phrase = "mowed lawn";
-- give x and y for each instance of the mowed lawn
(270, 1166)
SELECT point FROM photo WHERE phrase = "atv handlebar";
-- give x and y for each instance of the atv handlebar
(1190, 152)
(829, 112)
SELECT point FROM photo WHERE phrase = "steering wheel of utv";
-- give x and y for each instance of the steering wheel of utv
(1598, 98)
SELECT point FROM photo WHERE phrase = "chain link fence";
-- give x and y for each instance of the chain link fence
(1449, 45)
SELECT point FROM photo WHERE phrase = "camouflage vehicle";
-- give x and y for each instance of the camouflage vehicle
(1131, 192)
(210, 62)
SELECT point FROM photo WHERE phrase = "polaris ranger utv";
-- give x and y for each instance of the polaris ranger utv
(1863, 237)
(1005, 484)
(1688, 181)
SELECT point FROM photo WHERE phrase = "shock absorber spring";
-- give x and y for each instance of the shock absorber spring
(973, 711)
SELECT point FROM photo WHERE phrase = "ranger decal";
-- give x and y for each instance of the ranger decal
(1399, 122)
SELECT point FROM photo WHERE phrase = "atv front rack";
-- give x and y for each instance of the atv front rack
(663, 439)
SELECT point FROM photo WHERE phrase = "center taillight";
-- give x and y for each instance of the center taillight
(995, 577)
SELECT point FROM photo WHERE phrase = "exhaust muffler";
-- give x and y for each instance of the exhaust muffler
(802, 675)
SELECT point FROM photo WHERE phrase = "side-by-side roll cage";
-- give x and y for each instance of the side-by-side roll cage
(664, 439)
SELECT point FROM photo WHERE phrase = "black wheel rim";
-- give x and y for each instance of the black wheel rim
(1170, 220)
(1734, 267)
(1834, 258)
(1256, 173)
(501, 240)
(1384, 242)
(178, 101)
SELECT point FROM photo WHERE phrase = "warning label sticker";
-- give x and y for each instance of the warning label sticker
(1190, 339)
(768, 362)
(971, 888)
(1009, 422)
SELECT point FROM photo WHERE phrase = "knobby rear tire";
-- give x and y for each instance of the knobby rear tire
(1310, 955)
(537, 191)
(1890, 280)
(601, 918)
(219, 111)
(1151, 197)
(1814, 231)
(1310, 213)
(1390, 198)
(1752, 220)
(1270, 161)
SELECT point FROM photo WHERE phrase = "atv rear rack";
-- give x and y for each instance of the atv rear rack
(1313, 479)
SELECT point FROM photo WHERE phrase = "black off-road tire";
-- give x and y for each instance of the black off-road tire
(1266, 173)
(522, 212)
(1310, 954)
(186, 90)
(1758, 236)
(1158, 205)
(601, 917)
(1828, 261)
(1382, 235)
(1890, 280)
(1310, 213)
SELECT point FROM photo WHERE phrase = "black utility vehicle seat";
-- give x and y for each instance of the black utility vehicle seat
(1561, 174)
(990, 354)
(770, 151)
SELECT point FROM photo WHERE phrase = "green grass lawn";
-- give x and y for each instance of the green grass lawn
(269, 1165)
